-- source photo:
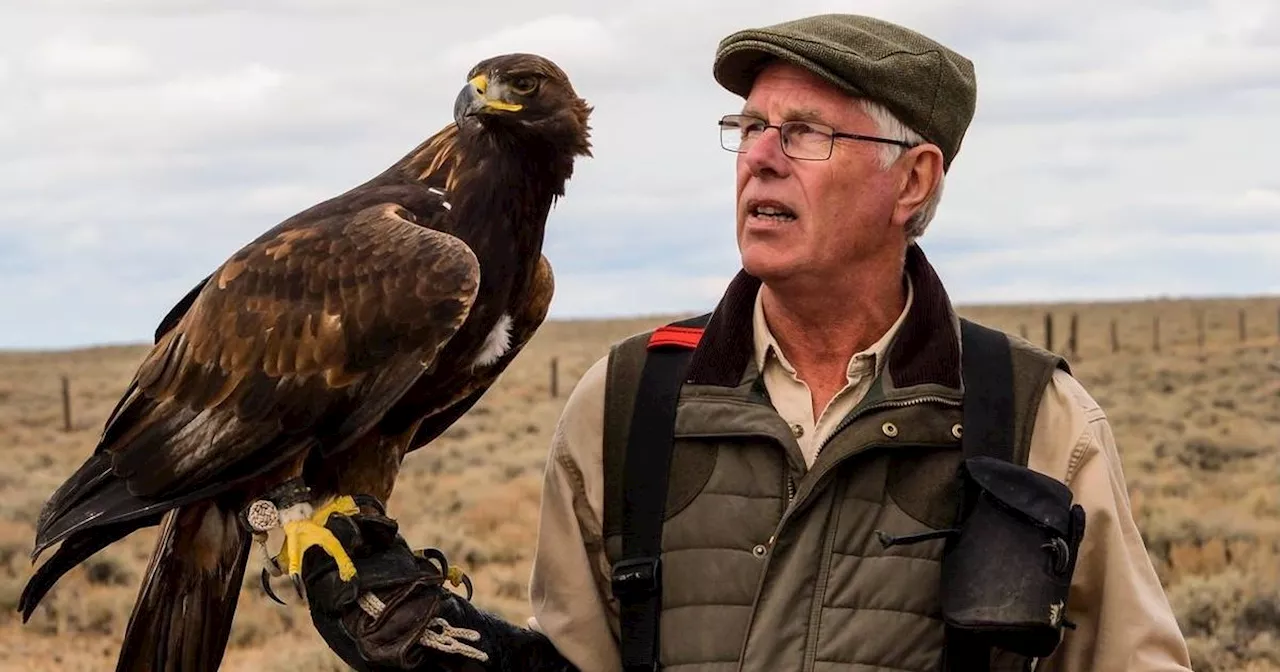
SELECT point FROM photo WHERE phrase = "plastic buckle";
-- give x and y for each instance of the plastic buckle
(636, 577)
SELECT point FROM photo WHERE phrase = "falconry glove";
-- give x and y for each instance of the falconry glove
(398, 615)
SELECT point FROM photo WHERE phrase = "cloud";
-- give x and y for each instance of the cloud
(143, 141)
(75, 57)
(572, 41)
(1261, 202)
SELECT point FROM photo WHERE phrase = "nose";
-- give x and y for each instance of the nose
(765, 157)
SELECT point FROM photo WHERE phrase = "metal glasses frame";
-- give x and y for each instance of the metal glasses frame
(730, 120)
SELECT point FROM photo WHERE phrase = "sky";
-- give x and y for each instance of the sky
(1120, 148)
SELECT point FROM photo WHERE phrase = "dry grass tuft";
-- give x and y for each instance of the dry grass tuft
(1229, 621)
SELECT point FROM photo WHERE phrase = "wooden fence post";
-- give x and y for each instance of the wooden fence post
(1200, 328)
(1155, 333)
(1022, 331)
(555, 377)
(1115, 337)
(1048, 332)
(66, 404)
(1071, 337)
(1243, 331)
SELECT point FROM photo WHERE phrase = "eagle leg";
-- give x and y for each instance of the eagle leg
(288, 509)
(304, 528)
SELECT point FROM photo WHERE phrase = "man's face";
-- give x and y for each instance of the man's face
(838, 211)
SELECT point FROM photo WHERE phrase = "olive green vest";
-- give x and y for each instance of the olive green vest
(771, 566)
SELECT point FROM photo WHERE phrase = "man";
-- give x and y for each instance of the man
(819, 420)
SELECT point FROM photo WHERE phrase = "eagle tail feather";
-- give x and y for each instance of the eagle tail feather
(95, 498)
(59, 515)
(76, 549)
(183, 614)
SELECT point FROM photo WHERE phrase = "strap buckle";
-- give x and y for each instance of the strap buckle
(636, 577)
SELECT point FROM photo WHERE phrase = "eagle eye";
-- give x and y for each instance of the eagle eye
(524, 84)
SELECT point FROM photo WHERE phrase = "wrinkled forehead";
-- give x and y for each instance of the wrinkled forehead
(785, 92)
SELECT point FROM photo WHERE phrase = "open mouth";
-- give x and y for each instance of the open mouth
(772, 211)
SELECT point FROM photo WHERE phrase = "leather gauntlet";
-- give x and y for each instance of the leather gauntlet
(397, 614)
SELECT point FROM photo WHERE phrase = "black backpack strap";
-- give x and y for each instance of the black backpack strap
(637, 576)
(986, 366)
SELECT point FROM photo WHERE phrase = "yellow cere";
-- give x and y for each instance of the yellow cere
(481, 82)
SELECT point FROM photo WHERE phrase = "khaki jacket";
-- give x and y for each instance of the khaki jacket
(1124, 621)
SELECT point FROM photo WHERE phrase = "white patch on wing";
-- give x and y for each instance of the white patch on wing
(442, 196)
(496, 344)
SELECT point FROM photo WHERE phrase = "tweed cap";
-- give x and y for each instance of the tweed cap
(929, 87)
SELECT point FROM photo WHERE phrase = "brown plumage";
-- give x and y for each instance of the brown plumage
(344, 337)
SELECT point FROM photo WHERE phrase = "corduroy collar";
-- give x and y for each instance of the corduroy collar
(925, 351)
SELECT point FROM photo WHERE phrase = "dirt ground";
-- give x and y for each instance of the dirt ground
(1198, 426)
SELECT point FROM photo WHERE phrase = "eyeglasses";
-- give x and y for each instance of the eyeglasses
(804, 140)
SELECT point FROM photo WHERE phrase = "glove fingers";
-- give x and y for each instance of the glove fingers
(393, 635)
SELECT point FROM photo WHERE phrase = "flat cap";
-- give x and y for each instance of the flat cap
(929, 87)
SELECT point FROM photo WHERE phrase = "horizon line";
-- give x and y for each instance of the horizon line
(677, 314)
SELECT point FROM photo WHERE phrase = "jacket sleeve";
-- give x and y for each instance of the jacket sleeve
(569, 589)
(1122, 615)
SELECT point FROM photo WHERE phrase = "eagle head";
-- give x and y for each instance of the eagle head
(524, 94)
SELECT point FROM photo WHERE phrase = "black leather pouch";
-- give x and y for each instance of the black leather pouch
(1006, 574)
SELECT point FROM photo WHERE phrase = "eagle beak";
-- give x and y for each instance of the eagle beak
(478, 97)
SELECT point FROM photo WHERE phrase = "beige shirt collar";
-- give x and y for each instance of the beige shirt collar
(872, 358)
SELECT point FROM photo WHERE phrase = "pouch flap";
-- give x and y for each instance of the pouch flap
(1037, 497)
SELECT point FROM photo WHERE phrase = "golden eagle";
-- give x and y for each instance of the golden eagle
(319, 354)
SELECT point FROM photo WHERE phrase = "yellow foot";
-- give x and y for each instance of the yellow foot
(344, 505)
(301, 534)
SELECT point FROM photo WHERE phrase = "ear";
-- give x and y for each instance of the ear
(922, 171)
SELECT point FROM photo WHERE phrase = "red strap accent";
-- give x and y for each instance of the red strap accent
(684, 337)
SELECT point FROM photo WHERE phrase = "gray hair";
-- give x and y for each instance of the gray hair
(890, 126)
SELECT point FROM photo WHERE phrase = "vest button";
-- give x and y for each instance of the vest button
(955, 430)
(759, 551)
(797, 430)
(889, 429)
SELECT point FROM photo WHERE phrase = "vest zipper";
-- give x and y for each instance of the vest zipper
(791, 493)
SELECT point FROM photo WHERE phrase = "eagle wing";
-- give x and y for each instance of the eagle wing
(523, 327)
(371, 468)
(302, 339)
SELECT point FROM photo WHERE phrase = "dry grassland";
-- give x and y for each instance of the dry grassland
(1199, 430)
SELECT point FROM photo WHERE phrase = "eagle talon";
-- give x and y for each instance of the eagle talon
(452, 573)
(465, 580)
(266, 586)
(270, 566)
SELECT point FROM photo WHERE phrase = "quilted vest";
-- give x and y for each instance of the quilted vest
(769, 565)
